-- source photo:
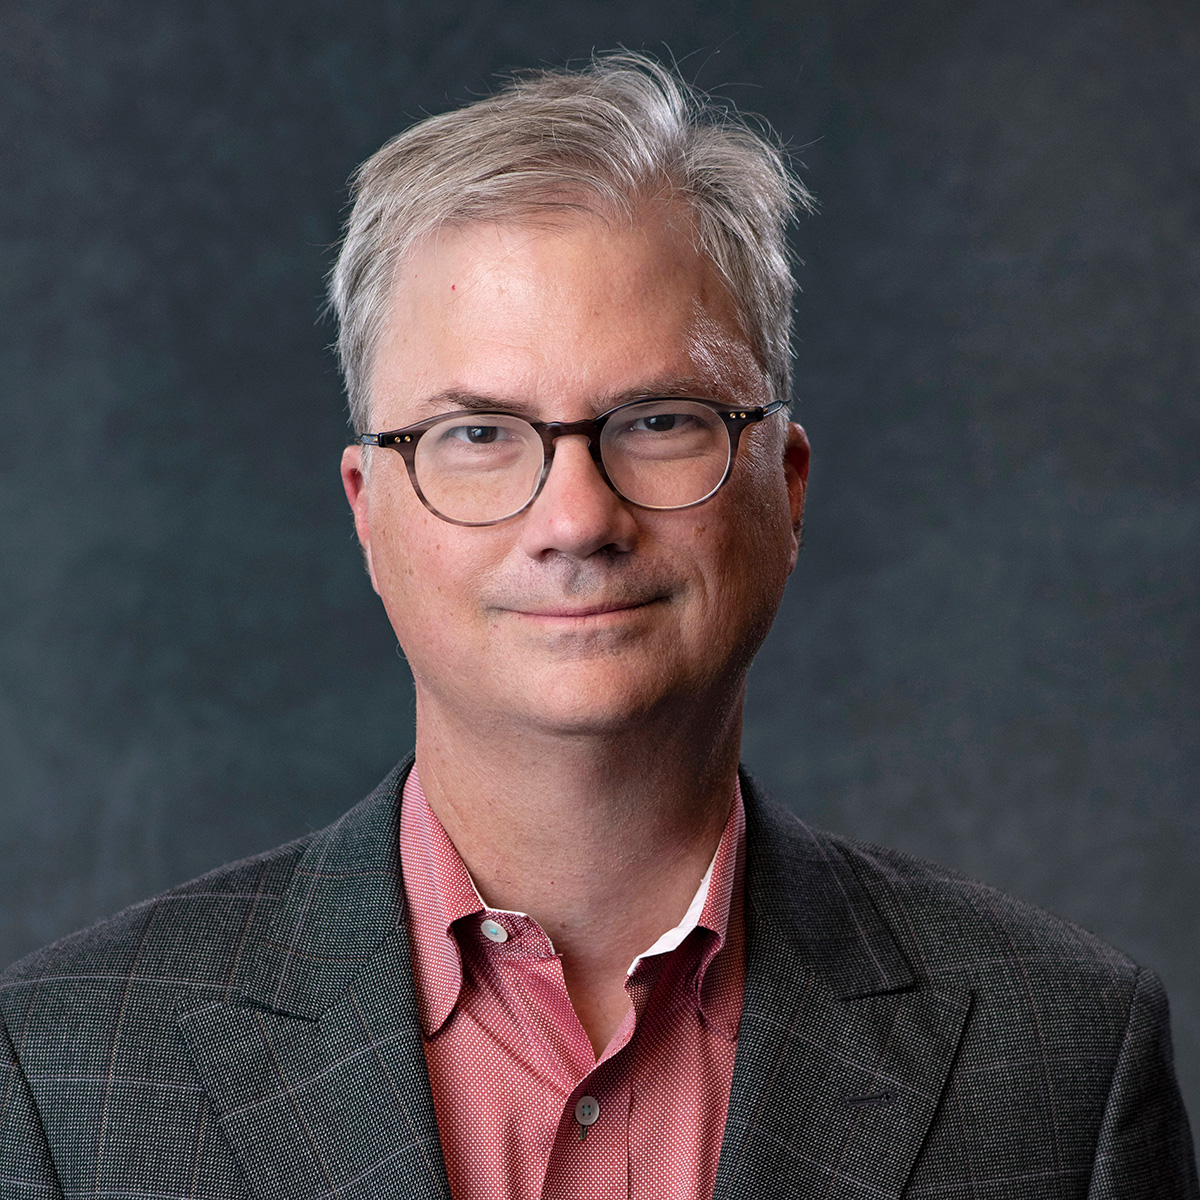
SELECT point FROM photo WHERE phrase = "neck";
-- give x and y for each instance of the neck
(603, 840)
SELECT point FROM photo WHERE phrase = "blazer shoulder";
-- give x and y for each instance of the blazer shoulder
(1065, 1057)
(957, 924)
(190, 935)
(949, 927)
(206, 938)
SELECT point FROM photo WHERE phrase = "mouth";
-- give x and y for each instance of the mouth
(596, 611)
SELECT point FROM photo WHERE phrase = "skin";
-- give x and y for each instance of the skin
(580, 668)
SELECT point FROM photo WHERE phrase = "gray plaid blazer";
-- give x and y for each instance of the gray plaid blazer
(906, 1032)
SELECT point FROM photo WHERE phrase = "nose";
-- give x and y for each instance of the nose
(576, 513)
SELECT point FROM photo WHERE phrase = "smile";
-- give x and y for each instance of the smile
(582, 612)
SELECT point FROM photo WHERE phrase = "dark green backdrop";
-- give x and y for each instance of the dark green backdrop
(988, 655)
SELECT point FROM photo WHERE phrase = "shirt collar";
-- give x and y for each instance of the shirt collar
(721, 965)
(440, 891)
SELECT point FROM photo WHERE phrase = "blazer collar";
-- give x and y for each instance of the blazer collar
(316, 1070)
(344, 902)
(801, 892)
(843, 1051)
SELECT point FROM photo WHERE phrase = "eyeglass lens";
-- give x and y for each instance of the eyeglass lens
(658, 454)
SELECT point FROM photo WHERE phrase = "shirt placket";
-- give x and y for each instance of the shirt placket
(528, 981)
(592, 1162)
(511, 955)
(595, 1166)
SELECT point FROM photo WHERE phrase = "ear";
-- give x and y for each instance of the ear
(796, 454)
(354, 480)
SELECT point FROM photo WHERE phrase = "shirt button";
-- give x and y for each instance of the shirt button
(494, 930)
(587, 1110)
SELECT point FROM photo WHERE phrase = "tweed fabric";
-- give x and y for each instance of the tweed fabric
(905, 1032)
(508, 1059)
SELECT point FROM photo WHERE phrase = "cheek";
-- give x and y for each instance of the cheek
(728, 574)
(753, 556)
(431, 574)
(406, 553)
(416, 578)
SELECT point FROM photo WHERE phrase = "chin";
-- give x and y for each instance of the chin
(576, 702)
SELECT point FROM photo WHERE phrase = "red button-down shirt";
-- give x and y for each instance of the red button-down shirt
(509, 1061)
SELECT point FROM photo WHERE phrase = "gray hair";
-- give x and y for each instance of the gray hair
(621, 130)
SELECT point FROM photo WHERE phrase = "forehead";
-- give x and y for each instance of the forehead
(562, 315)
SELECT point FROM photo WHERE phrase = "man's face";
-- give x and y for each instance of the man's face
(582, 615)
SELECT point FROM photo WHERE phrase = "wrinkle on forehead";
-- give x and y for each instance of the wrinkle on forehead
(703, 334)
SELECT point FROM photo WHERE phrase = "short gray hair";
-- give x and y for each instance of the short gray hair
(623, 129)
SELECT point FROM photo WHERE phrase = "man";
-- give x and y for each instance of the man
(569, 951)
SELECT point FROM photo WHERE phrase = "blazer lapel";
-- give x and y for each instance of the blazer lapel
(317, 1070)
(842, 1055)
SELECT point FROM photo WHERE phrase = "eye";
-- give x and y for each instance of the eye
(476, 435)
(679, 422)
(658, 423)
(666, 430)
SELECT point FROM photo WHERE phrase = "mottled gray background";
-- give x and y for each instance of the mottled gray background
(989, 653)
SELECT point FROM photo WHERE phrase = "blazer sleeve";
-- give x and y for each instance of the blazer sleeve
(1145, 1145)
(26, 1169)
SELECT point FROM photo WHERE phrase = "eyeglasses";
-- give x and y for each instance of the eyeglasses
(480, 468)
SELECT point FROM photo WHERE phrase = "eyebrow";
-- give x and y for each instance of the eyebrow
(456, 399)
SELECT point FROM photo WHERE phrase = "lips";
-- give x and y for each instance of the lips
(580, 611)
